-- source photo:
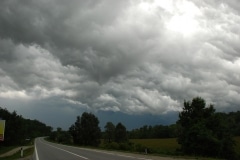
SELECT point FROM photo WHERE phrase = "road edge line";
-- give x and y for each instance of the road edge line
(36, 153)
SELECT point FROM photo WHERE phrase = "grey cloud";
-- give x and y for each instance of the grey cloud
(118, 56)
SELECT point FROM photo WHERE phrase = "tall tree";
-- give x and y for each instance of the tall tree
(203, 132)
(109, 132)
(91, 130)
(86, 131)
(76, 130)
(120, 133)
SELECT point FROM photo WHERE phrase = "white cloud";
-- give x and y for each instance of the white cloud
(14, 95)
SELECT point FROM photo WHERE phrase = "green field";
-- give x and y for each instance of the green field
(162, 146)
(169, 145)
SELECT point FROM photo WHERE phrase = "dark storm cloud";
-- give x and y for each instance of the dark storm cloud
(127, 56)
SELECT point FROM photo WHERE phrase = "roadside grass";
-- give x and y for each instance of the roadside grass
(237, 147)
(163, 147)
(17, 155)
(170, 146)
(6, 149)
(166, 146)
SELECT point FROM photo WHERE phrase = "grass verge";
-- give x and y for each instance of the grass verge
(6, 149)
(17, 155)
(170, 146)
(237, 147)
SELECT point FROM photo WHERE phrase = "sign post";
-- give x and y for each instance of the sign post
(2, 129)
(21, 151)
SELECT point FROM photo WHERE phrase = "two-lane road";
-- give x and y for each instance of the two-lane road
(50, 151)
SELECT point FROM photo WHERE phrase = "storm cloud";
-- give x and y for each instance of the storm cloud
(134, 57)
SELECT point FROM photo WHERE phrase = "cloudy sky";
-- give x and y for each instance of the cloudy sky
(133, 61)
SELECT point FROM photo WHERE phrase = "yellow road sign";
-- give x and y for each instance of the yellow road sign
(2, 128)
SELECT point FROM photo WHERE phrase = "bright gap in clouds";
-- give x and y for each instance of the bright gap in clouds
(181, 15)
(183, 19)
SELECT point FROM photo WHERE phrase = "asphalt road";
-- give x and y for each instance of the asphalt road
(50, 151)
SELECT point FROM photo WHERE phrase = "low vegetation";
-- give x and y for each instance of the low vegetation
(168, 146)
(237, 147)
(17, 155)
(6, 149)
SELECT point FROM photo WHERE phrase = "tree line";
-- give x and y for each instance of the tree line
(200, 131)
(19, 130)
(86, 131)
(153, 132)
(232, 120)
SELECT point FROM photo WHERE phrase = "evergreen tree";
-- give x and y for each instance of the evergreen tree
(109, 132)
(203, 132)
(18, 129)
(86, 131)
(120, 133)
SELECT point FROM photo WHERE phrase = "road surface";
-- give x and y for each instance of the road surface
(50, 151)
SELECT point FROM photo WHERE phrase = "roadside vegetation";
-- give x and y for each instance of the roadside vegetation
(6, 149)
(20, 131)
(165, 146)
(199, 132)
(17, 155)
(237, 147)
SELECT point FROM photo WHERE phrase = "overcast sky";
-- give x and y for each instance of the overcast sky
(132, 59)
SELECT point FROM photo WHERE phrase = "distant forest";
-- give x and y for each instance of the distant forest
(199, 131)
(232, 120)
(19, 131)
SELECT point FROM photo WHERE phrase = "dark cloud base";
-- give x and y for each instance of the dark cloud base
(136, 121)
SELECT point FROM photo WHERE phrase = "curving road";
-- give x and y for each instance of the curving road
(50, 151)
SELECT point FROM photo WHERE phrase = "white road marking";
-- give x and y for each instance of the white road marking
(116, 154)
(121, 155)
(36, 153)
(67, 151)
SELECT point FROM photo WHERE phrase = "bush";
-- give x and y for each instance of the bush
(140, 148)
(112, 145)
(125, 146)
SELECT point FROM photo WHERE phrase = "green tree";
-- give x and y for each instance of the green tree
(109, 132)
(75, 130)
(18, 129)
(120, 133)
(86, 131)
(203, 132)
(91, 130)
(234, 122)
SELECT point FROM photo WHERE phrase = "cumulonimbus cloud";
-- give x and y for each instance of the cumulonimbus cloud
(124, 56)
